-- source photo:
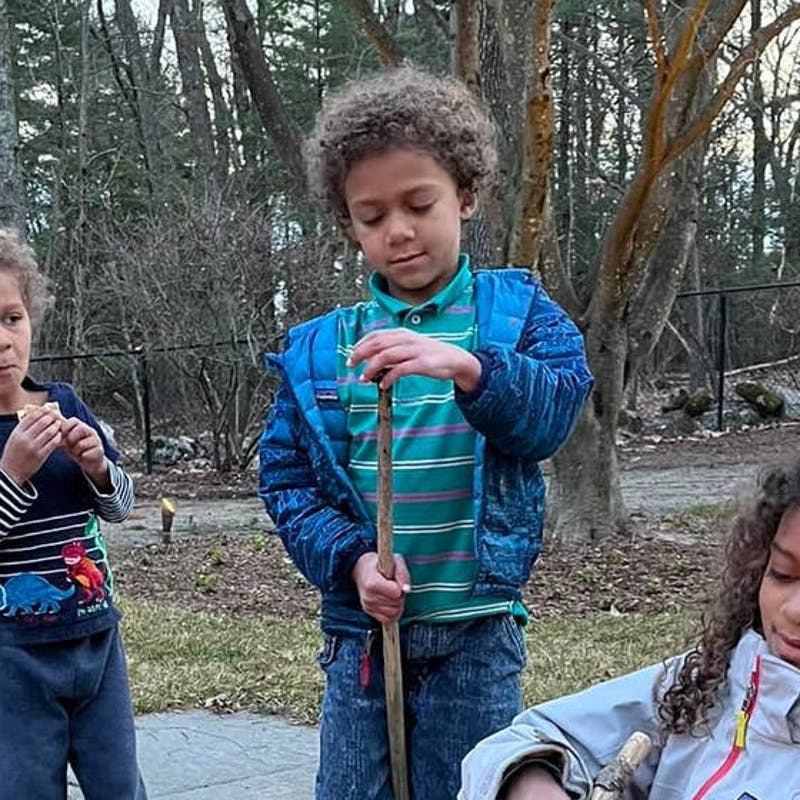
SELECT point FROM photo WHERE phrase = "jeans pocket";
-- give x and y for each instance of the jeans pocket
(327, 653)
(516, 638)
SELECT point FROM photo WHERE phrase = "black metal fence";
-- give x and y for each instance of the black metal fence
(215, 387)
(734, 339)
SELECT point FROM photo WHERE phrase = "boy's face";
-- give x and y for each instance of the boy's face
(406, 213)
(15, 339)
(779, 598)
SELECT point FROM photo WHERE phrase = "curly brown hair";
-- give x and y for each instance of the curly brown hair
(685, 705)
(19, 259)
(398, 108)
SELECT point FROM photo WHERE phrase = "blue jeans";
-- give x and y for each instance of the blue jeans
(67, 702)
(461, 683)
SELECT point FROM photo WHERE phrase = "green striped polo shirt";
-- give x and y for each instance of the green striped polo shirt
(433, 451)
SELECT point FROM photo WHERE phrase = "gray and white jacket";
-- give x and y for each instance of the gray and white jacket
(582, 732)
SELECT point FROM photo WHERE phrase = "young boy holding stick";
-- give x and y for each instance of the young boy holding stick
(488, 377)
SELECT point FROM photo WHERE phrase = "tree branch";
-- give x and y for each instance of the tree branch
(656, 42)
(709, 48)
(761, 38)
(390, 52)
(164, 7)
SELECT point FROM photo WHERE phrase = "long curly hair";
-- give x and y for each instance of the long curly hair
(398, 108)
(685, 706)
(19, 259)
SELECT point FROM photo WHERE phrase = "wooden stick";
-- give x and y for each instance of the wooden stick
(616, 775)
(392, 667)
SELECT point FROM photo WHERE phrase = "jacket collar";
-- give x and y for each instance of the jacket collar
(777, 712)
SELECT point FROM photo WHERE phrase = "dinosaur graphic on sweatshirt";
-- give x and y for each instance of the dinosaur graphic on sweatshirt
(32, 594)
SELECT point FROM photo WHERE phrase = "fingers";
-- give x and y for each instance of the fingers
(83, 445)
(30, 444)
(399, 352)
(41, 429)
(402, 576)
(380, 597)
(78, 436)
(378, 343)
(38, 421)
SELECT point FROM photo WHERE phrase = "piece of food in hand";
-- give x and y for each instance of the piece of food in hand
(29, 408)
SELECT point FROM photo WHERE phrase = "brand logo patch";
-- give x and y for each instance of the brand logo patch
(747, 796)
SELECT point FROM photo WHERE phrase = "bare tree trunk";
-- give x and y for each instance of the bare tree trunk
(699, 373)
(277, 122)
(581, 211)
(505, 56)
(141, 83)
(539, 134)
(78, 238)
(563, 215)
(663, 275)
(246, 118)
(12, 211)
(761, 146)
(157, 46)
(466, 51)
(393, 14)
(193, 88)
(222, 115)
(585, 498)
(787, 188)
(466, 57)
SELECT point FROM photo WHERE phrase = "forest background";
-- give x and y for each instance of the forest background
(151, 152)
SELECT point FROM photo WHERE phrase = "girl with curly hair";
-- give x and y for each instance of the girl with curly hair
(725, 717)
(489, 377)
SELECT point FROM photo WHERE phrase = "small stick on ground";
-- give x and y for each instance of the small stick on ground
(392, 667)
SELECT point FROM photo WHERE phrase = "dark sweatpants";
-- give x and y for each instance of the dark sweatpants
(67, 702)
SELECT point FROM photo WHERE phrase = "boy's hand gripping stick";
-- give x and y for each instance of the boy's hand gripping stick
(392, 668)
(612, 780)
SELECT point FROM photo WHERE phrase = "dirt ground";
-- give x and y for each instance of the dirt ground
(252, 576)
(753, 446)
(248, 573)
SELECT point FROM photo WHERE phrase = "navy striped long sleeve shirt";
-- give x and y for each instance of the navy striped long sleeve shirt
(55, 579)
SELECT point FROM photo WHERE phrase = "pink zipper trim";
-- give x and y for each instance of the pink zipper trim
(748, 707)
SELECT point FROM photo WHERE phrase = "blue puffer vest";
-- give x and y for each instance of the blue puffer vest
(533, 384)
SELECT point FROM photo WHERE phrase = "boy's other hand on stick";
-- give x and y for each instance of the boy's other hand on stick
(381, 598)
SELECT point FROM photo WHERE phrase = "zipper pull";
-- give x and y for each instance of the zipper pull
(364, 666)
(741, 730)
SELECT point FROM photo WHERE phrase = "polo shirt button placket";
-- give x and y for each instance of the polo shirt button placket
(415, 319)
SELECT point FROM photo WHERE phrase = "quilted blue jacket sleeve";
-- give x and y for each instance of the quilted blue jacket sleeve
(322, 540)
(529, 398)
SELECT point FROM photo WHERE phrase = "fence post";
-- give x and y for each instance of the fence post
(144, 373)
(723, 326)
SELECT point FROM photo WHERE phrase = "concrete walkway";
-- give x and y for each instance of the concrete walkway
(202, 756)
(657, 491)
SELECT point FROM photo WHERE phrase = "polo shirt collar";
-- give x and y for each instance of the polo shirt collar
(445, 297)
